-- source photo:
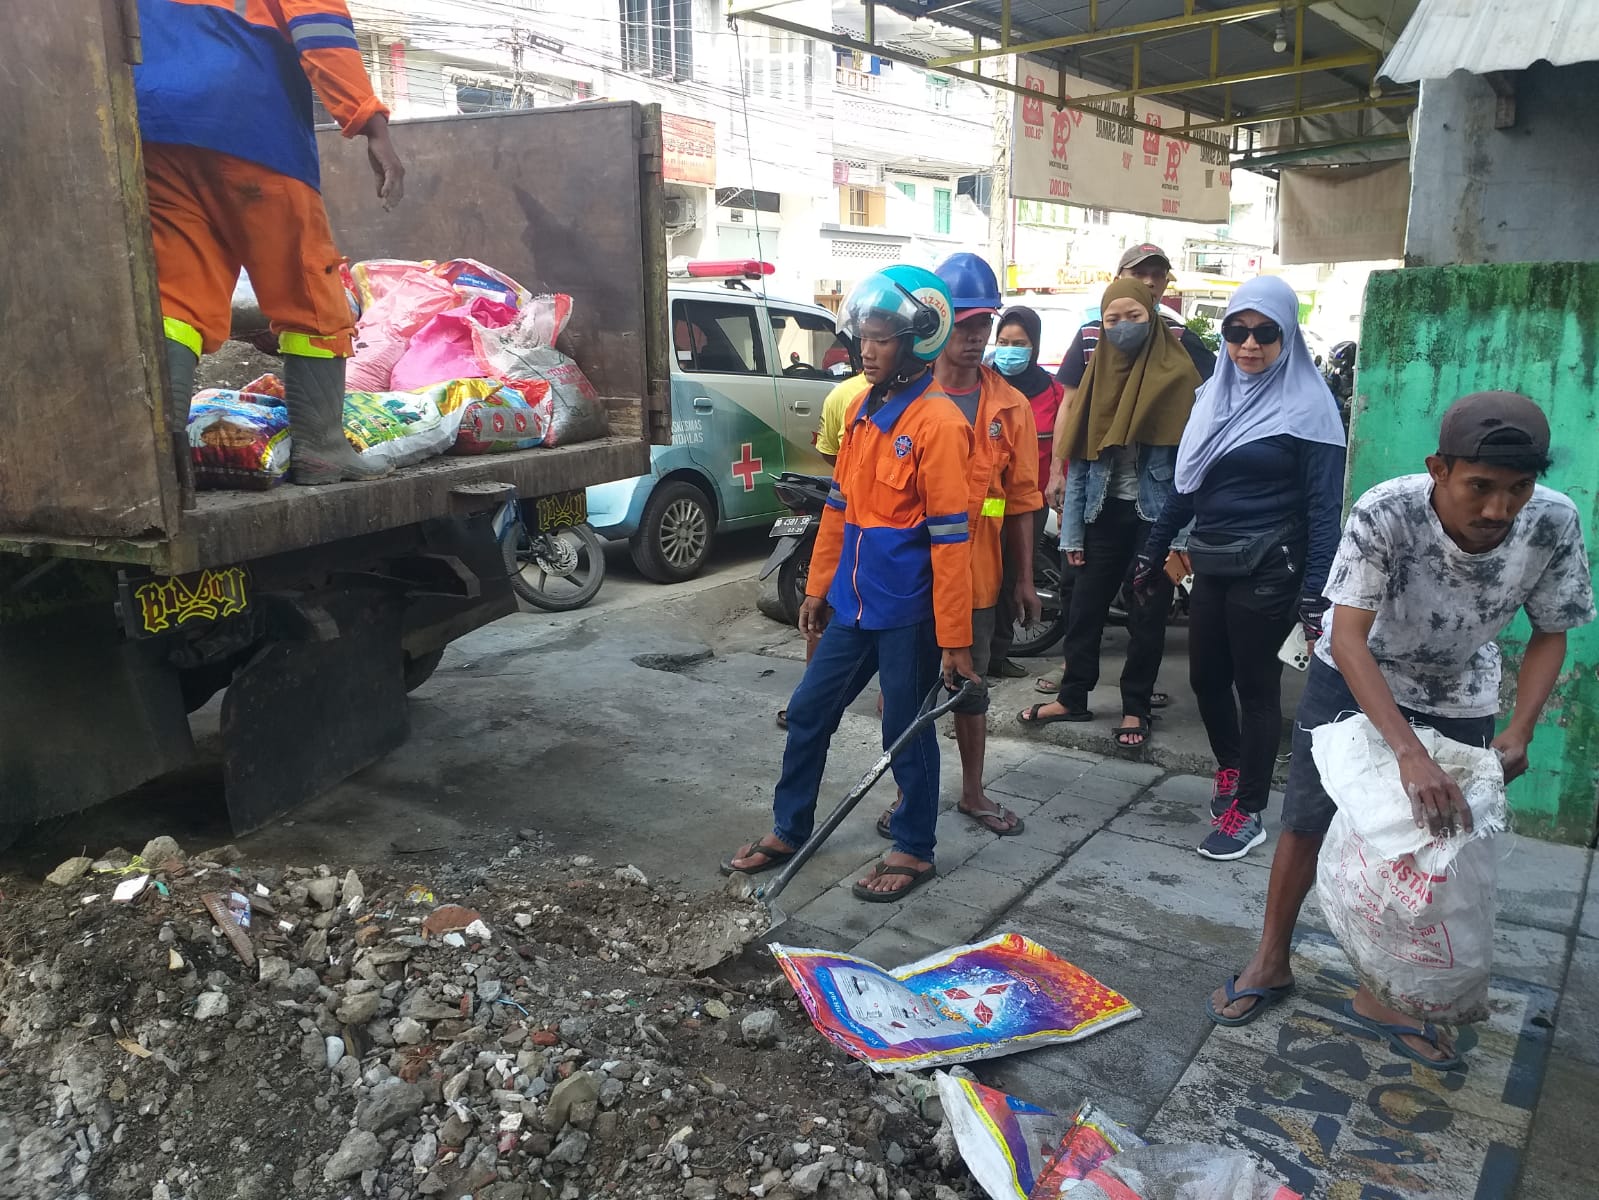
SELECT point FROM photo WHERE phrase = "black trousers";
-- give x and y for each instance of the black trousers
(1109, 546)
(1006, 615)
(1236, 626)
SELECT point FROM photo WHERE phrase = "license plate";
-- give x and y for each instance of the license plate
(791, 526)
(560, 511)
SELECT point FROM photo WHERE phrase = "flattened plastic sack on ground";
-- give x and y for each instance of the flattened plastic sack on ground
(1182, 1171)
(1092, 1139)
(238, 440)
(1018, 1151)
(525, 349)
(960, 1005)
(1414, 913)
(499, 417)
(400, 428)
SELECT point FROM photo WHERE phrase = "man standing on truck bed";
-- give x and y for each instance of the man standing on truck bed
(230, 161)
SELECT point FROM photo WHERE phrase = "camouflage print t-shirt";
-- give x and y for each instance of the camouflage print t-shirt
(1439, 608)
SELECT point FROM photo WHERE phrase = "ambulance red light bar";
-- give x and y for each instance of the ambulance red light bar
(731, 268)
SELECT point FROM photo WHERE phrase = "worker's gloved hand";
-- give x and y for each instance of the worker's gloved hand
(1146, 575)
(1312, 611)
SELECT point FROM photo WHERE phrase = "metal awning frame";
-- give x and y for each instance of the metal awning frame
(1197, 121)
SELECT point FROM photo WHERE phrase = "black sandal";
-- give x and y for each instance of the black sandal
(1142, 731)
(917, 878)
(775, 858)
(1029, 716)
(885, 828)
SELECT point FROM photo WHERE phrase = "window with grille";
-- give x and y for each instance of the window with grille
(658, 37)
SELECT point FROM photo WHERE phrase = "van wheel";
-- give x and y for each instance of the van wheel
(674, 537)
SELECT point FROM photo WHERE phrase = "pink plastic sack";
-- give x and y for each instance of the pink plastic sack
(406, 301)
(445, 348)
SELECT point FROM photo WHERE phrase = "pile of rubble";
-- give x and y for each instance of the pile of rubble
(202, 1028)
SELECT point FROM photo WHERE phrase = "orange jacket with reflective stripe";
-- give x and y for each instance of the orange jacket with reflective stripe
(235, 76)
(1002, 480)
(892, 547)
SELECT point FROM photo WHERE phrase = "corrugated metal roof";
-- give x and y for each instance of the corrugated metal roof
(1493, 35)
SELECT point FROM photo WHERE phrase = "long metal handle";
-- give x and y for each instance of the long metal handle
(929, 713)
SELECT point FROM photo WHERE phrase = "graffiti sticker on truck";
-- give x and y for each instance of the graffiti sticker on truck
(209, 596)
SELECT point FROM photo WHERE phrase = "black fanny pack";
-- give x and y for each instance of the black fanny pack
(1232, 557)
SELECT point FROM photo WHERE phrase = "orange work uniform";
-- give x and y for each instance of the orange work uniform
(892, 548)
(1002, 479)
(224, 95)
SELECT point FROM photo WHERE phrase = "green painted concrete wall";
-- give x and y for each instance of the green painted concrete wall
(1430, 335)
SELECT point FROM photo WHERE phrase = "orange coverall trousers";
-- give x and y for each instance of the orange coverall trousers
(212, 214)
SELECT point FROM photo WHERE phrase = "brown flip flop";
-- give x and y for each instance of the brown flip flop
(994, 821)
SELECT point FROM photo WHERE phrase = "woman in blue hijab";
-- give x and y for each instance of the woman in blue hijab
(1260, 472)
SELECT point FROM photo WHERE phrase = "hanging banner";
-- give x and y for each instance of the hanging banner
(1075, 157)
(1343, 214)
(688, 150)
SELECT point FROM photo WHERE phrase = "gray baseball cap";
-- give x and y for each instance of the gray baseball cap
(1486, 425)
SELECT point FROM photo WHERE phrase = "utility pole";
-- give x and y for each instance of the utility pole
(999, 204)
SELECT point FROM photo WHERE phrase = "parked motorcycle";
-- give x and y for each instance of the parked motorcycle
(555, 560)
(1339, 372)
(790, 560)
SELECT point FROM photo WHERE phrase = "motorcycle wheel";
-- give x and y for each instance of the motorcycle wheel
(1031, 640)
(560, 571)
(792, 576)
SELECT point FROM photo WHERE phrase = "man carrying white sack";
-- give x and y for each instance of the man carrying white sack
(1430, 571)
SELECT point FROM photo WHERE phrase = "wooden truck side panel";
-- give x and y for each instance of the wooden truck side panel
(556, 198)
(86, 447)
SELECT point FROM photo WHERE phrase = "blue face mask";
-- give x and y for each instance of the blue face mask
(1012, 360)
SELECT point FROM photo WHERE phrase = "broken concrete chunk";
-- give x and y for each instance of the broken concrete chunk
(70, 871)
(159, 851)
(324, 892)
(360, 1151)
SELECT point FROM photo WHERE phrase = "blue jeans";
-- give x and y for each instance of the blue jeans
(906, 660)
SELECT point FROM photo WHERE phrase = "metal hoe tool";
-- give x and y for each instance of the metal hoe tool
(929, 713)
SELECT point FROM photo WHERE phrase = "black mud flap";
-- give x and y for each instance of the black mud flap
(781, 553)
(317, 703)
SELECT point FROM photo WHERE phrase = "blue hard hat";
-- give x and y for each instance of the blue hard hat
(971, 281)
(901, 301)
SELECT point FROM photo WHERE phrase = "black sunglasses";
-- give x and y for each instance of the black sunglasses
(1265, 335)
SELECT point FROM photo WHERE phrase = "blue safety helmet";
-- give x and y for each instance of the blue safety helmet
(971, 282)
(901, 301)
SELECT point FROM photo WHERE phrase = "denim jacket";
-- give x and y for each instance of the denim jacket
(1088, 483)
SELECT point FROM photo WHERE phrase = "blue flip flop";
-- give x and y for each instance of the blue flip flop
(1427, 1032)
(1265, 997)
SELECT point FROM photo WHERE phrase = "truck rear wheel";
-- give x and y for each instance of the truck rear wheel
(674, 537)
